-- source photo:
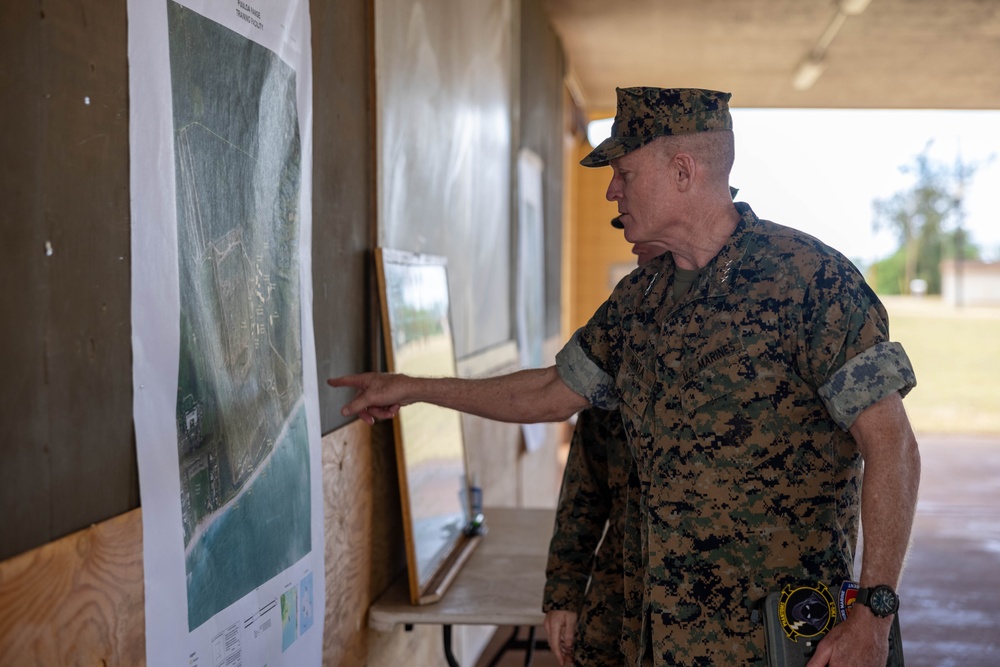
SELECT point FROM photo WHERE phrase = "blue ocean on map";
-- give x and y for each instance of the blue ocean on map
(306, 603)
(265, 531)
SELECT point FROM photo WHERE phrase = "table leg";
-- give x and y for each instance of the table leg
(511, 642)
(529, 653)
(448, 655)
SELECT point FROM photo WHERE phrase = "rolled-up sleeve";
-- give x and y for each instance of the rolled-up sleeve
(865, 380)
(584, 376)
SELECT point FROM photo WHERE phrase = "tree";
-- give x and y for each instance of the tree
(927, 220)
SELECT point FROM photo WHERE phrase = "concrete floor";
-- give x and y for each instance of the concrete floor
(950, 594)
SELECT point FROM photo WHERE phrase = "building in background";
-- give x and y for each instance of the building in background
(970, 283)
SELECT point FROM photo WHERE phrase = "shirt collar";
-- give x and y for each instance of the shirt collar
(719, 275)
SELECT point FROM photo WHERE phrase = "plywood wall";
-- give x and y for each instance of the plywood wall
(79, 600)
(76, 601)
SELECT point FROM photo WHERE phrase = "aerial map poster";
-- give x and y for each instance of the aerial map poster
(225, 397)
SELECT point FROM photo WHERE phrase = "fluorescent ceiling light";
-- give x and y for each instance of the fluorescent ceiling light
(808, 71)
(852, 7)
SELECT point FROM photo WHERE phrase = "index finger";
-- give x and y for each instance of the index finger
(355, 406)
(345, 381)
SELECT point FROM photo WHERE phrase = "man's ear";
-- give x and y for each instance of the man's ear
(684, 171)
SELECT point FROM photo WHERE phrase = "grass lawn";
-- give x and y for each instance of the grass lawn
(956, 355)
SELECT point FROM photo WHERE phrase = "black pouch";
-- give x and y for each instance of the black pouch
(808, 614)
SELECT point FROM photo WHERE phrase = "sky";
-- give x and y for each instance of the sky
(820, 169)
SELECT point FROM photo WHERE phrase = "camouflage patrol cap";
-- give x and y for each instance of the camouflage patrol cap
(647, 113)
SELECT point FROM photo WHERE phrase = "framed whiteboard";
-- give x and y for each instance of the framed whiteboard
(430, 449)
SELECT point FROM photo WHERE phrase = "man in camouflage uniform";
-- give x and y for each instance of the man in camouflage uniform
(584, 585)
(750, 400)
(585, 581)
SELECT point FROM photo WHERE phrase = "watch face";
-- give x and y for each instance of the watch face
(883, 601)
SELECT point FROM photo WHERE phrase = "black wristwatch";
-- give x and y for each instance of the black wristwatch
(881, 599)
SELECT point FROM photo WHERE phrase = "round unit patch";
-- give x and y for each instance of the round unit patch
(845, 602)
(806, 611)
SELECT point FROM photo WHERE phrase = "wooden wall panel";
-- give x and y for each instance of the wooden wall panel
(598, 244)
(78, 600)
(347, 501)
(569, 212)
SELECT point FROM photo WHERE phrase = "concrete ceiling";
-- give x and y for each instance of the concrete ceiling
(934, 54)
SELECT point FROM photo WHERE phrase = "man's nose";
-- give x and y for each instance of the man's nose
(614, 192)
